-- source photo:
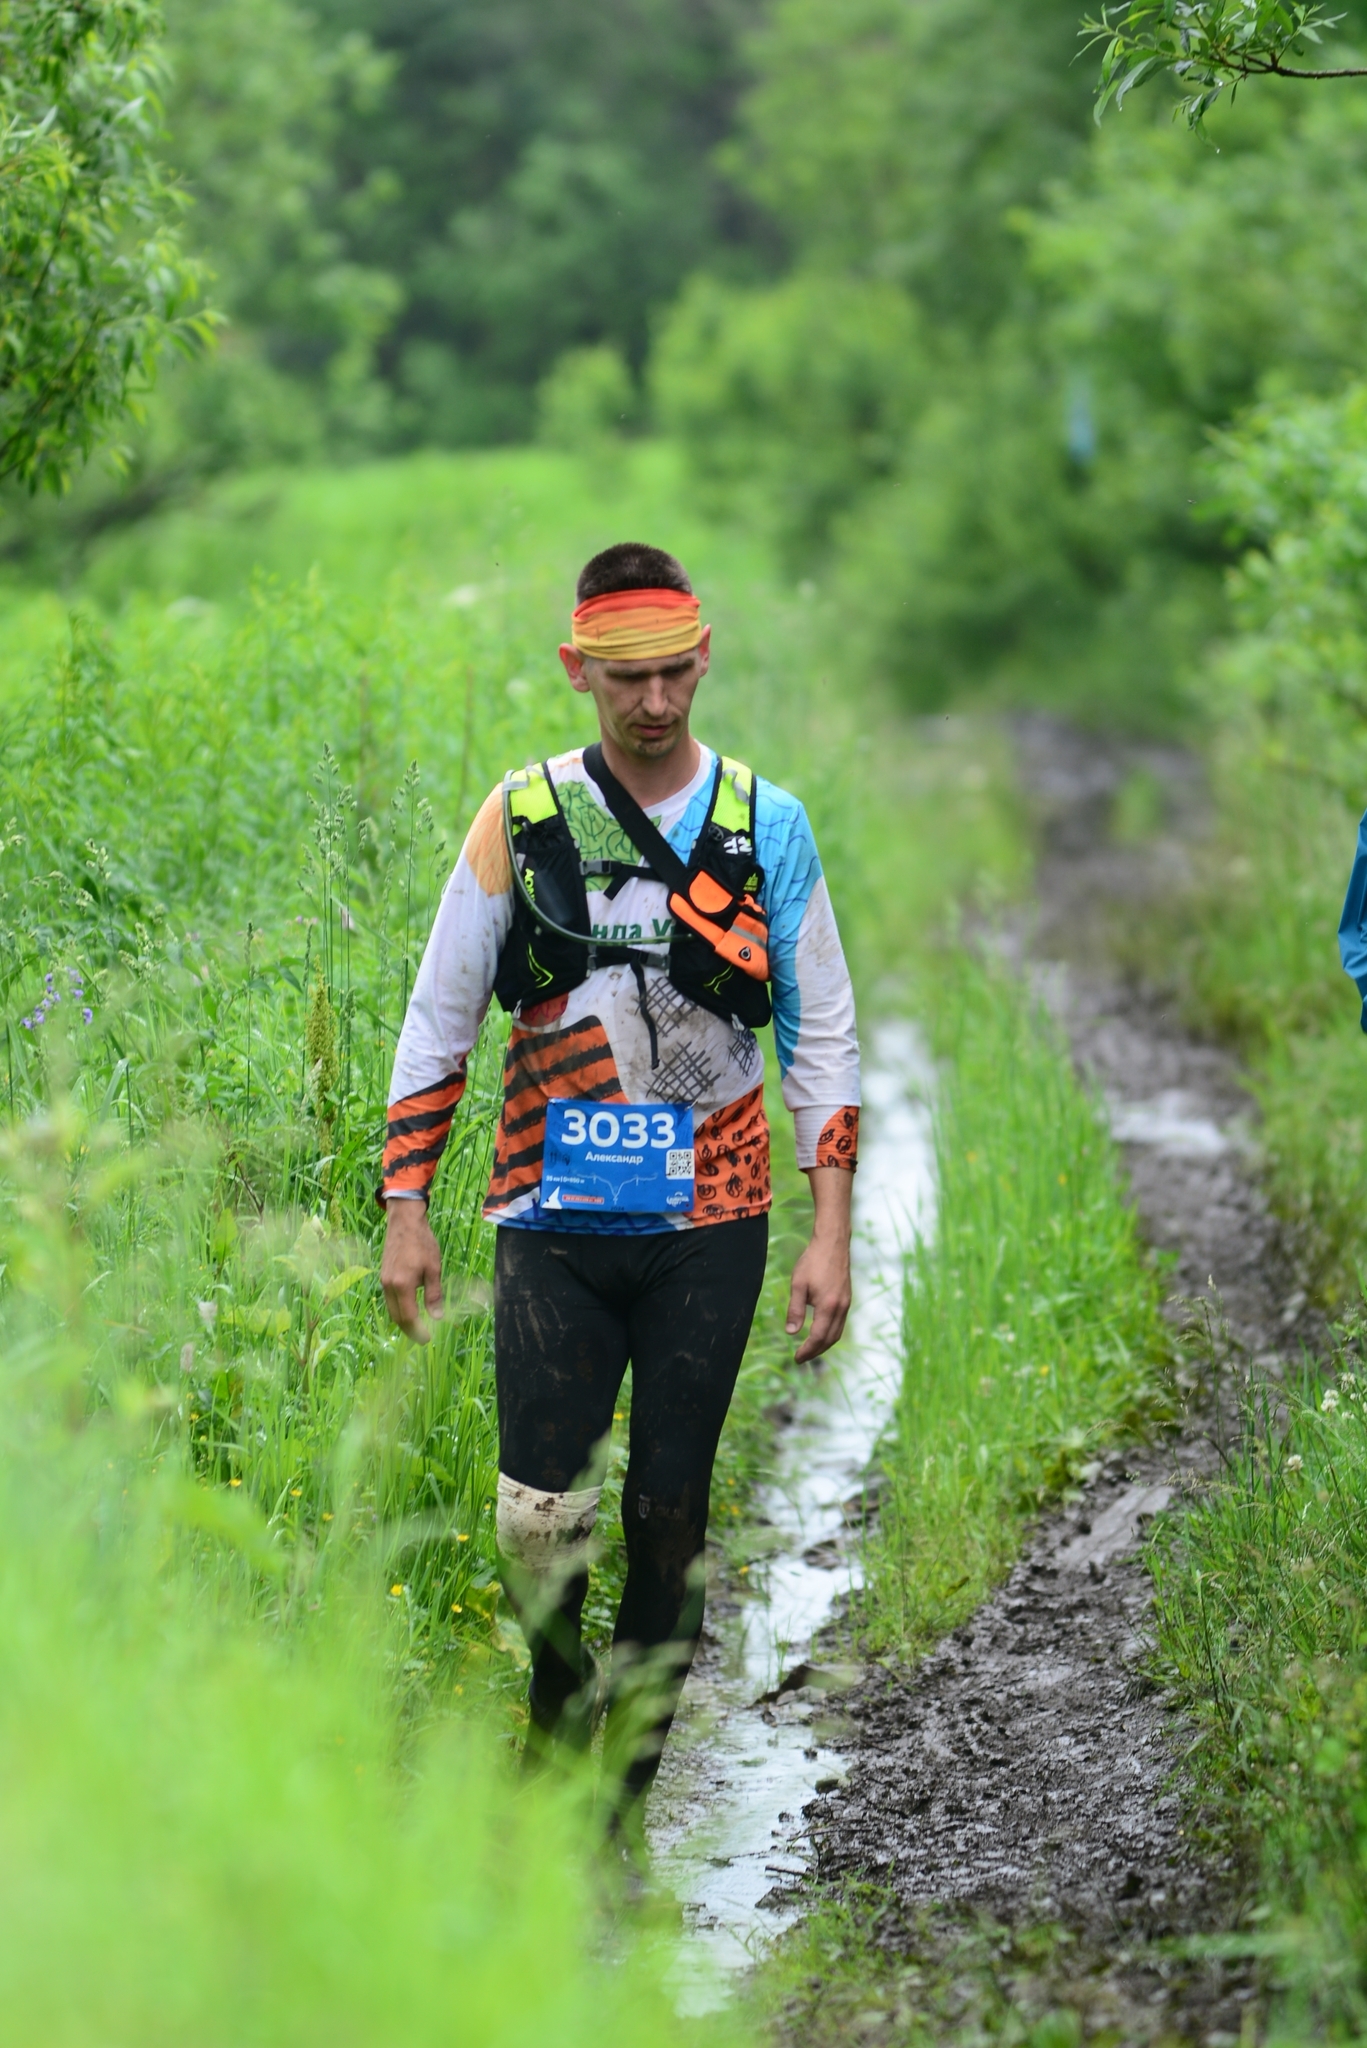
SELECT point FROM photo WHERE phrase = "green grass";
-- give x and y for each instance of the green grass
(1262, 1636)
(1031, 1323)
(206, 1834)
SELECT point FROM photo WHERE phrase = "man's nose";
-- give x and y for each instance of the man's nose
(655, 697)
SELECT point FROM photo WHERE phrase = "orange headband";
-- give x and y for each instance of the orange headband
(636, 625)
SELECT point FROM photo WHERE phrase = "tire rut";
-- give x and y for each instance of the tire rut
(1028, 1774)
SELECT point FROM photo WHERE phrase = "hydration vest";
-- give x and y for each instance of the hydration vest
(719, 952)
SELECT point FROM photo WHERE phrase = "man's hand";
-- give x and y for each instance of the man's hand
(412, 1259)
(821, 1277)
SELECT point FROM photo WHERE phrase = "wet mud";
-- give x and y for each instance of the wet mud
(1027, 1777)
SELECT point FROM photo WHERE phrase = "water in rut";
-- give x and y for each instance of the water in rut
(726, 1823)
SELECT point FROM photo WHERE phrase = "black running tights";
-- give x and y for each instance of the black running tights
(571, 1310)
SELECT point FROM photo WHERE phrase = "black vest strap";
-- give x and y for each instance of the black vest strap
(643, 835)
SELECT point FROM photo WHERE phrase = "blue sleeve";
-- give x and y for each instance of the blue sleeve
(1353, 923)
(792, 869)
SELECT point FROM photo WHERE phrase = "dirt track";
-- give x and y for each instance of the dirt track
(1028, 1771)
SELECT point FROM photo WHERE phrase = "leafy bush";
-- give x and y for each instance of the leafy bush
(794, 399)
(93, 280)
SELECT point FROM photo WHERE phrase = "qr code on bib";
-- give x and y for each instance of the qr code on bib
(679, 1164)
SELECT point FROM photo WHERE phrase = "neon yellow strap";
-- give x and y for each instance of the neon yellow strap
(732, 811)
(529, 793)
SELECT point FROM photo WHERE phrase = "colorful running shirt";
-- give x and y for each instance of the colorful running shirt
(594, 1043)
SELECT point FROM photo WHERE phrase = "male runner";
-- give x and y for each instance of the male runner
(635, 972)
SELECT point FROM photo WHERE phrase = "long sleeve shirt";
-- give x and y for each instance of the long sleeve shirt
(597, 1042)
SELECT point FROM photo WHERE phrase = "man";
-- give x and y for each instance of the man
(631, 1173)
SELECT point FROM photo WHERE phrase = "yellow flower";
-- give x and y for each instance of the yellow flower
(456, 1607)
(234, 1482)
(395, 1591)
(326, 1516)
(462, 1537)
(295, 1492)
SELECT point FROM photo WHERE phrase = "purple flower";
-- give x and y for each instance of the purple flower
(27, 1023)
(87, 1015)
(40, 1016)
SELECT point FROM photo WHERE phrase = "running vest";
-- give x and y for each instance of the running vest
(719, 954)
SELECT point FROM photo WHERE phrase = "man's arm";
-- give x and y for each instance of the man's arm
(818, 1051)
(450, 996)
(821, 1277)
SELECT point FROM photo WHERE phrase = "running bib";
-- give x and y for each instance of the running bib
(619, 1155)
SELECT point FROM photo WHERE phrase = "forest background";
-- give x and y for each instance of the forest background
(1013, 410)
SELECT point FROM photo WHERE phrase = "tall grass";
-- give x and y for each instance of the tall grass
(1262, 1634)
(204, 1836)
(1031, 1325)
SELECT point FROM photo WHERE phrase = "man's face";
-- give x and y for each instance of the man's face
(643, 706)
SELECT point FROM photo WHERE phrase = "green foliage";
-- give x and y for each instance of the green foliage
(893, 141)
(1252, 948)
(93, 280)
(1031, 1321)
(1262, 1636)
(1008, 488)
(215, 1830)
(1209, 46)
(792, 400)
(587, 401)
(539, 178)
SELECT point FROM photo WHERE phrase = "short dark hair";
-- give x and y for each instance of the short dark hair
(631, 565)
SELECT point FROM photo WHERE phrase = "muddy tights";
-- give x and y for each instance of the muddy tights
(571, 1310)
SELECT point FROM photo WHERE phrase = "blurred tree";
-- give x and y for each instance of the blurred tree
(93, 278)
(540, 178)
(1081, 311)
(894, 140)
(258, 105)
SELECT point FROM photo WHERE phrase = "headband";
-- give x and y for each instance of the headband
(636, 625)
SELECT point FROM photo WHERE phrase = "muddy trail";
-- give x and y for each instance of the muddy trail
(1017, 1801)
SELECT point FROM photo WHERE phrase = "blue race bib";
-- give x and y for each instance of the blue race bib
(618, 1155)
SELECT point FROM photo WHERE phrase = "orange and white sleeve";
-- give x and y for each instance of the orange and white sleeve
(447, 1006)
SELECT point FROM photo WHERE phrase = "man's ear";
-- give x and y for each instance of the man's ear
(573, 662)
(704, 652)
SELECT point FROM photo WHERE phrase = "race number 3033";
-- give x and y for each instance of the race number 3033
(618, 1155)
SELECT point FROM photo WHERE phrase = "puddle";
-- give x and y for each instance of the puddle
(726, 1824)
(1169, 1124)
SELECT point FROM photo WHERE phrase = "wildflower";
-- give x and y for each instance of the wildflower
(326, 1516)
(456, 1607)
(394, 1592)
(1294, 1463)
(27, 1023)
(47, 981)
(462, 1537)
(1330, 1400)
(187, 1357)
(208, 1313)
(295, 1492)
(234, 1482)
(87, 1016)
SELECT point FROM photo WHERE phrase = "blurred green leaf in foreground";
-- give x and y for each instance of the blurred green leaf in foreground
(93, 282)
